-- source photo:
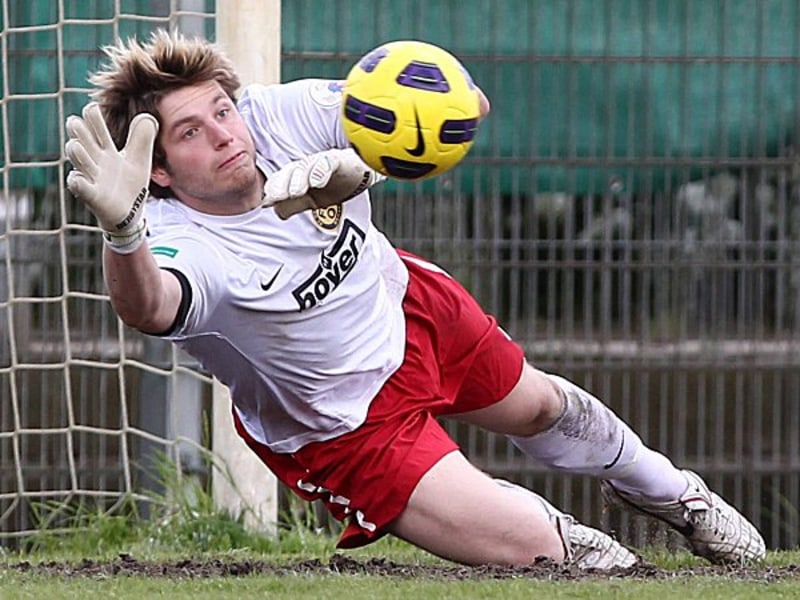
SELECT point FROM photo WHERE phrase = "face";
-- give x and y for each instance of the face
(210, 156)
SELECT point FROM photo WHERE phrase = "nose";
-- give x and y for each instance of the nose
(219, 135)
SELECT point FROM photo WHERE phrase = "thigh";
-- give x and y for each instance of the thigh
(453, 347)
(459, 513)
(364, 477)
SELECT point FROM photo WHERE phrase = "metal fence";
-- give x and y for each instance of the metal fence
(630, 215)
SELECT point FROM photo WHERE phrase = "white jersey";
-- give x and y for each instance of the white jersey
(301, 319)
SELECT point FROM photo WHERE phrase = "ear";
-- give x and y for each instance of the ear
(160, 176)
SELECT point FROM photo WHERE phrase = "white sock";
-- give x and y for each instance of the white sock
(588, 438)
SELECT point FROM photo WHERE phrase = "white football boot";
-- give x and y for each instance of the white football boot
(589, 548)
(585, 547)
(714, 529)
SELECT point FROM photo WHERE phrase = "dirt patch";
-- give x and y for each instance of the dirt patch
(343, 565)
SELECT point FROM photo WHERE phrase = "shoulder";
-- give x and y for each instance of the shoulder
(173, 233)
(294, 118)
(322, 93)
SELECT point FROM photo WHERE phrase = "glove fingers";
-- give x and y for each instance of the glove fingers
(79, 185)
(74, 125)
(320, 171)
(97, 125)
(78, 130)
(141, 139)
(298, 180)
(277, 187)
(81, 159)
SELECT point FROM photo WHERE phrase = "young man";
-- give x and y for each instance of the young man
(257, 255)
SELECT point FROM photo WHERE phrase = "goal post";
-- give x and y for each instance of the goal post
(86, 404)
(249, 31)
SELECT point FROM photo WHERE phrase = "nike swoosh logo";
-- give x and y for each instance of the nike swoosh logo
(268, 284)
(419, 149)
(619, 453)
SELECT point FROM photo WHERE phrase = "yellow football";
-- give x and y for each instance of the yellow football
(410, 109)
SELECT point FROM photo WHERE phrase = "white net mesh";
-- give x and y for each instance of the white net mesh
(86, 405)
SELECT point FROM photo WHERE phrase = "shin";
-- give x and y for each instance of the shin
(589, 439)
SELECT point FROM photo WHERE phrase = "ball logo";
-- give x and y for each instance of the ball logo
(410, 110)
(419, 149)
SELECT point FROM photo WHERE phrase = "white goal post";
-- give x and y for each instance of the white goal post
(86, 404)
(250, 32)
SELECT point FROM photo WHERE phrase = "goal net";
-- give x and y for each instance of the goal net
(87, 405)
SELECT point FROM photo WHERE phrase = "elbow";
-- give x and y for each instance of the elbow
(142, 318)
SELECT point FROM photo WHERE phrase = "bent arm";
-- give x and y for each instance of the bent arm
(144, 296)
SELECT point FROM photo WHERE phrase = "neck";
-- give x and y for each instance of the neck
(233, 203)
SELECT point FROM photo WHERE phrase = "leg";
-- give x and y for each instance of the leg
(587, 437)
(459, 513)
(564, 427)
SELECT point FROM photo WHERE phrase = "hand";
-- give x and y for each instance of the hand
(317, 181)
(112, 183)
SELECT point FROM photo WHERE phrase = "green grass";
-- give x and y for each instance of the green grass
(15, 585)
(677, 583)
(184, 524)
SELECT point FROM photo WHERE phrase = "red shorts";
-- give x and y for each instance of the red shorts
(457, 360)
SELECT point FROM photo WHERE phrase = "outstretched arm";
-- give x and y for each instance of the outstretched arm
(113, 185)
(143, 295)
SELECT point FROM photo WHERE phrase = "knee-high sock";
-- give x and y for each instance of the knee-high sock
(589, 439)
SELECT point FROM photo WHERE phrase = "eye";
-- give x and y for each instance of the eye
(189, 133)
(223, 112)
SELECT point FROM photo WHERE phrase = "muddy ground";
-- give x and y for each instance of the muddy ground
(343, 565)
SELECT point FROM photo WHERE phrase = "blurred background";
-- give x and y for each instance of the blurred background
(630, 212)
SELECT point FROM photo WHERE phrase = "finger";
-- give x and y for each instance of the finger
(298, 180)
(77, 130)
(79, 185)
(80, 159)
(73, 126)
(141, 138)
(321, 170)
(97, 125)
(277, 187)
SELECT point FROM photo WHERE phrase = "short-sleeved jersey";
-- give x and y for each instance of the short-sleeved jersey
(302, 319)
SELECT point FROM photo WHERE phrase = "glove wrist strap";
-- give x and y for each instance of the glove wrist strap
(126, 242)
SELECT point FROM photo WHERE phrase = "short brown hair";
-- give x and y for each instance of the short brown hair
(138, 75)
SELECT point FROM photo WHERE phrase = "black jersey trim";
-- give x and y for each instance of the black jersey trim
(183, 308)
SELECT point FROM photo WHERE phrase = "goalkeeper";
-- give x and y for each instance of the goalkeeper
(240, 229)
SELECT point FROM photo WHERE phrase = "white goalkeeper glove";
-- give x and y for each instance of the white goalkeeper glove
(317, 181)
(112, 183)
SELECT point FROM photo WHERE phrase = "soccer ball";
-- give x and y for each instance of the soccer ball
(410, 109)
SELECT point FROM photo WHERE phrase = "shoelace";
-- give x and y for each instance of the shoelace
(588, 546)
(601, 550)
(713, 519)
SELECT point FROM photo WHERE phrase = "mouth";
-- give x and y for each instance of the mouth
(232, 160)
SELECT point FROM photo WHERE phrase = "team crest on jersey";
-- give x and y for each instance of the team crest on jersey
(327, 218)
(326, 93)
